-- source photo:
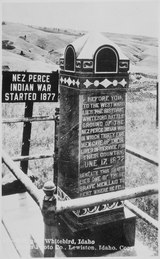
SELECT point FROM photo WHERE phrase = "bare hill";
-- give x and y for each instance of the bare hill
(36, 48)
(31, 49)
(142, 52)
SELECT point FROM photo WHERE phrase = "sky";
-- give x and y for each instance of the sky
(117, 16)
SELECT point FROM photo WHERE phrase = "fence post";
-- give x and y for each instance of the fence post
(56, 146)
(157, 100)
(49, 217)
(26, 136)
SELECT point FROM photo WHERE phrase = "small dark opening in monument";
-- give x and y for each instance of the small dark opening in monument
(106, 60)
(69, 64)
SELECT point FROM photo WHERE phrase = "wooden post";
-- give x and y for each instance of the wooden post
(26, 136)
(56, 146)
(49, 217)
(157, 100)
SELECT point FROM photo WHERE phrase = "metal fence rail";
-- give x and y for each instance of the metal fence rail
(29, 119)
(79, 203)
(143, 155)
(141, 214)
(133, 151)
(122, 195)
(32, 157)
(35, 193)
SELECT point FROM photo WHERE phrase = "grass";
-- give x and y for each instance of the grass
(141, 132)
(42, 138)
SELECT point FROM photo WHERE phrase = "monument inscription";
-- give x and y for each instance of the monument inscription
(102, 150)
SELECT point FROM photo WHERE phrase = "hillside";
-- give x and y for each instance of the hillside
(38, 49)
(31, 49)
(142, 52)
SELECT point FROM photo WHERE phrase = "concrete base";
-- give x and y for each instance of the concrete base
(98, 237)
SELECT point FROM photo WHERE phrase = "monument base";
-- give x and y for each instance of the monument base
(96, 237)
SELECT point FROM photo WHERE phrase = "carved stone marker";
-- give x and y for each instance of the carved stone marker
(93, 82)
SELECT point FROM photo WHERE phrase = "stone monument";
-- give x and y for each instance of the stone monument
(93, 83)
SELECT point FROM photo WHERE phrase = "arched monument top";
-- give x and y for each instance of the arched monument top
(87, 45)
(89, 48)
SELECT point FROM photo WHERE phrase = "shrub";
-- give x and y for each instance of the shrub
(7, 44)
